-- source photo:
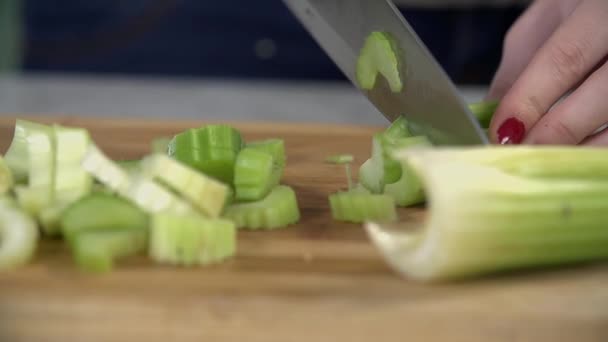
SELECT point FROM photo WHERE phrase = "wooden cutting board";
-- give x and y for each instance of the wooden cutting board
(317, 281)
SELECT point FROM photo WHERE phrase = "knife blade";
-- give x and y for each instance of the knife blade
(429, 100)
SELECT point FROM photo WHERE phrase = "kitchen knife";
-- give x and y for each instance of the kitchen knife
(428, 100)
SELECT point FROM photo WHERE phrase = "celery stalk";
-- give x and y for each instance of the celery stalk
(483, 219)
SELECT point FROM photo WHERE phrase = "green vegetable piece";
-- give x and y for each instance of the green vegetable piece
(379, 55)
(41, 152)
(398, 129)
(212, 150)
(72, 181)
(358, 206)
(101, 211)
(18, 235)
(96, 251)
(106, 171)
(6, 177)
(277, 210)
(372, 172)
(340, 159)
(205, 193)
(483, 219)
(253, 175)
(484, 111)
(160, 145)
(276, 148)
(17, 155)
(189, 239)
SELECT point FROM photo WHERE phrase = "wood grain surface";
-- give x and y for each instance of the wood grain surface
(316, 281)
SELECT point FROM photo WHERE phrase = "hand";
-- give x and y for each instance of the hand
(553, 79)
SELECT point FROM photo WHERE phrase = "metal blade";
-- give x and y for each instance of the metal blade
(429, 99)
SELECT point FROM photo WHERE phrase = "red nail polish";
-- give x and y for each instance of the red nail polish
(511, 131)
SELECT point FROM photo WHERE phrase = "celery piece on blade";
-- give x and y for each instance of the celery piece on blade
(483, 219)
(379, 55)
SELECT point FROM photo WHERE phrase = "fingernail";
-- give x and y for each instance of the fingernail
(511, 131)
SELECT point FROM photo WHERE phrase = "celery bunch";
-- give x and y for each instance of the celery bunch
(500, 208)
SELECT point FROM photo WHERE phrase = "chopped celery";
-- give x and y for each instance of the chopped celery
(41, 152)
(276, 148)
(483, 111)
(105, 170)
(340, 159)
(207, 194)
(379, 55)
(211, 149)
(71, 180)
(152, 197)
(50, 219)
(101, 211)
(483, 219)
(95, 251)
(189, 239)
(358, 206)
(18, 235)
(160, 145)
(254, 174)
(278, 209)
(17, 155)
(6, 177)
(131, 167)
(398, 129)
(372, 172)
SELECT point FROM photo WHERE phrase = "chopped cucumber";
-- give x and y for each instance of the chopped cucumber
(205, 193)
(358, 207)
(101, 211)
(379, 55)
(278, 209)
(189, 239)
(18, 235)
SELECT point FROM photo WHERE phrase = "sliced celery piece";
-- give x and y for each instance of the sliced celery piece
(205, 193)
(18, 235)
(276, 148)
(340, 159)
(484, 111)
(41, 152)
(189, 239)
(6, 177)
(358, 207)
(95, 251)
(278, 209)
(105, 170)
(160, 145)
(153, 197)
(484, 220)
(17, 155)
(379, 55)
(211, 149)
(398, 129)
(253, 174)
(100, 211)
(371, 172)
(72, 181)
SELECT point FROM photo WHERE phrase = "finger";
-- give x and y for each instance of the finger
(571, 52)
(524, 38)
(576, 117)
(599, 139)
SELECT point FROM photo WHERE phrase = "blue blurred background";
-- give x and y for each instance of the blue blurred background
(228, 39)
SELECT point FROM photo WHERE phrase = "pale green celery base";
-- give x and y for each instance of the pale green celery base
(482, 220)
(408, 190)
(19, 236)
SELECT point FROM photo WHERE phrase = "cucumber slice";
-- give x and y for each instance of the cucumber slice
(18, 235)
(6, 177)
(278, 209)
(358, 207)
(96, 251)
(100, 211)
(253, 175)
(190, 239)
(379, 55)
(205, 193)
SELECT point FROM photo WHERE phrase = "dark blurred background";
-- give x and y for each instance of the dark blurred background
(227, 39)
